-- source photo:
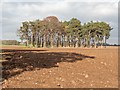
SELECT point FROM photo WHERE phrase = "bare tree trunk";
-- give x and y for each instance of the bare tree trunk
(60, 42)
(96, 44)
(33, 40)
(44, 39)
(27, 42)
(63, 39)
(101, 44)
(68, 41)
(77, 42)
(71, 41)
(51, 39)
(36, 41)
(39, 41)
(95, 41)
(105, 41)
(81, 42)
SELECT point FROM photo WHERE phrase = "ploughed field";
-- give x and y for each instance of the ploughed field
(59, 67)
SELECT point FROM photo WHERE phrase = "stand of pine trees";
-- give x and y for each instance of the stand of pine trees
(50, 32)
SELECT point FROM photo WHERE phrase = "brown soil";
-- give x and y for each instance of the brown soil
(60, 67)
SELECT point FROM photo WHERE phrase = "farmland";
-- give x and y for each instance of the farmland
(59, 67)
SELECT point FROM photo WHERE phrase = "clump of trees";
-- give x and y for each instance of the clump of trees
(50, 32)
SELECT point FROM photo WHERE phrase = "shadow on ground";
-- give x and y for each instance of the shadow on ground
(20, 61)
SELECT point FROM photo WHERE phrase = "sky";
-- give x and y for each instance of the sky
(13, 12)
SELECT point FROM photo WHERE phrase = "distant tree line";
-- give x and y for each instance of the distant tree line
(112, 44)
(50, 32)
(9, 42)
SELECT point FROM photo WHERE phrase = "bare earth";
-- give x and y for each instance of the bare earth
(60, 67)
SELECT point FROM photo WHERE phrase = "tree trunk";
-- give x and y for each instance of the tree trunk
(95, 41)
(71, 41)
(82, 40)
(77, 42)
(63, 39)
(33, 41)
(101, 44)
(95, 44)
(44, 39)
(27, 42)
(68, 44)
(51, 39)
(58, 41)
(36, 41)
(105, 41)
(42, 42)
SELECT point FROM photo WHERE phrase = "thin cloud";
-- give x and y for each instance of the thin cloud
(15, 13)
(60, 0)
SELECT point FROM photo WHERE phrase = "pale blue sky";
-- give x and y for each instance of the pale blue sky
(14, 12)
